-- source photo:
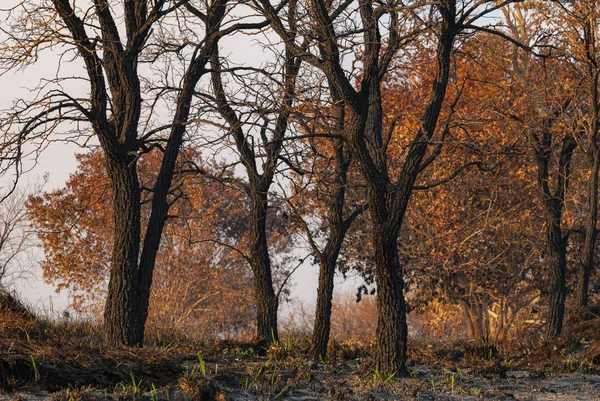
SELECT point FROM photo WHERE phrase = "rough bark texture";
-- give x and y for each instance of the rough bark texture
(392, 331)
(388, 207)
(266, 300)
(557, 259)
(387, 200)
(593, 151)
(115, 76)
(120, 321)
(160, 206)
(322, 325)
(553, 202)
(338, 226)
(591, 232)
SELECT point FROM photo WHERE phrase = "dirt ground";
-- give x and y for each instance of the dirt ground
(251, 379)
(42, 359)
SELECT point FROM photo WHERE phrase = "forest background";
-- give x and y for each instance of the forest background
(447, 151)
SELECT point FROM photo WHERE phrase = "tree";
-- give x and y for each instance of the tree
(120, 46)
(545, 97)
(200, 285)
(469, 238)
(17, 240)
(335, 29)
(576, 27)
(260, 153)
(319, 200)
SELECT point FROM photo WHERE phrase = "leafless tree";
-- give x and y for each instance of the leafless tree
(17, 239)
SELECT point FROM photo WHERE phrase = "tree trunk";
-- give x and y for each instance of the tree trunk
(587, 260)
(121, 327)
(322, 325)
(266, 300)
(589, 245)
(338, 226)
(553, 202)
(558, 265)
(392, 330)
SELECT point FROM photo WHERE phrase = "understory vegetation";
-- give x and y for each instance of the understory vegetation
(63, 359)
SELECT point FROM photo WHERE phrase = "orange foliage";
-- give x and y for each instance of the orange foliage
(200, 284)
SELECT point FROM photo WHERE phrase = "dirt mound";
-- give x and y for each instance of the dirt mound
(16, 319)
(10, 304)
(53, 369)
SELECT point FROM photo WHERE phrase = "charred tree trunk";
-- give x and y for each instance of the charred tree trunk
(591, 232)
(392, 330)
(387, 200)
(388, 205)
(121, 325)
(160, 205)
(553, 202)
(266, 300)
(338, 226)
(557, 259)
(322, 325)
(258, 186)
(113, 74)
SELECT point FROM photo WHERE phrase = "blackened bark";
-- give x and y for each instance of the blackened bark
(266, 299)
(160, 206)
(338, 226)
(557, 259)
(258, 186)
(591, 232)
(322, 325)
(553, 202)
(387, 201)
(117, 129)
(120, 323)
(387, 213)
(392, 331)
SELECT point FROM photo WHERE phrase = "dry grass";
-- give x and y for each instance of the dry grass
(68, 359)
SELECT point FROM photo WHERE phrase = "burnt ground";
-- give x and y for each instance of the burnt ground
(45, 360)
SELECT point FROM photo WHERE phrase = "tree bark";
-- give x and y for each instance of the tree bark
(121, 325)
(258, 186)
(322, 325)
(266, 300)
(338, 227)
(553, 208)
(160, 206)
(114, 75)
(387, 201)
(587, 261)
(558, 292)
(392, 330)
(327, 264)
